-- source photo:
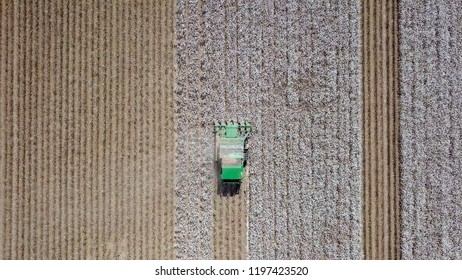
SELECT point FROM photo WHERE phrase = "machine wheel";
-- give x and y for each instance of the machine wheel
(230, 188)
(246, 152)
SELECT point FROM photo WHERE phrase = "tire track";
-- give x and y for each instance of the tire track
(3, 130)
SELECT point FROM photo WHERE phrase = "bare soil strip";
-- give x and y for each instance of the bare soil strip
(87, 144)
(380, 130)
(230, 225)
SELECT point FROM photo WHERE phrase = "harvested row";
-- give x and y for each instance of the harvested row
(381, 200)
(87, 134)
(230, 225)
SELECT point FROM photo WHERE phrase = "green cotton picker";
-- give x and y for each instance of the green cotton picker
(231, 155)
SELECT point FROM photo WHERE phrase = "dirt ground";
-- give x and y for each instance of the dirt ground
(87, 130)
(230, 228)
(381, 196)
